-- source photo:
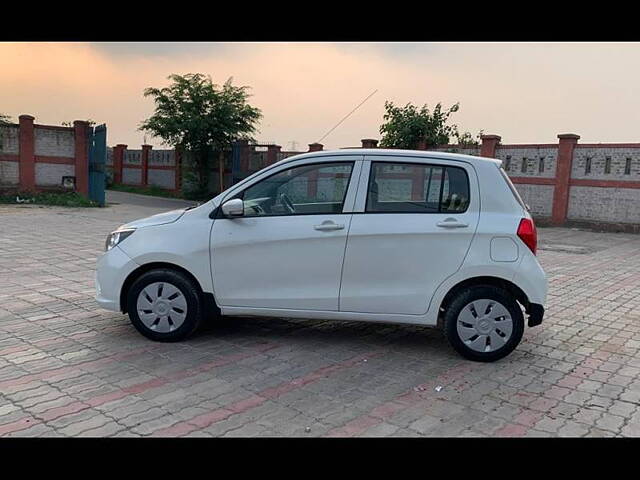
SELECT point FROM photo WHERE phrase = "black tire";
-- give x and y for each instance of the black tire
(469, 295)
(186, 286)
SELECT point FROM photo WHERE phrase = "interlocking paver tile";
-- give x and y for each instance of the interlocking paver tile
(70, 368)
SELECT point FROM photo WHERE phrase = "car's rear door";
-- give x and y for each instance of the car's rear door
(412, 226)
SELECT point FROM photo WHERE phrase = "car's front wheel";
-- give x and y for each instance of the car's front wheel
(484, 323)
(164, 305)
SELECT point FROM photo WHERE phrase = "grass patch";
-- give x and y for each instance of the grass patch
(151, 190)
(57, 199)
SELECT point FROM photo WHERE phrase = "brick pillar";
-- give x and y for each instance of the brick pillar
(422, 145)
(144, 164)
(566, 146)
(312, 177)
(369, 143)
(81, 131)
(489, 145)
(272, 154)
(118, 158)
(27, 165)
(417, 184)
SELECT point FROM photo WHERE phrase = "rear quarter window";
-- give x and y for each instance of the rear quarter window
(512, 188)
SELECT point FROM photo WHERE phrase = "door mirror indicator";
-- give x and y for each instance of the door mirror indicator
(233, 208)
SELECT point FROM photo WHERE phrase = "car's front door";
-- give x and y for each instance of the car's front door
(412, 226)
(286, 252)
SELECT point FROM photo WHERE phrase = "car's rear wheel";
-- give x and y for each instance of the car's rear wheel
(164, 305)
(484, 323)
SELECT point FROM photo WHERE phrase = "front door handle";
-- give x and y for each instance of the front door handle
(451, 223)
(328, 226)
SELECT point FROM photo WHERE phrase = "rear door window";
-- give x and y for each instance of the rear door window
(417, 188)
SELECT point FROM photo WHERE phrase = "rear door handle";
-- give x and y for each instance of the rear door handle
(328, 226)
(451, 223)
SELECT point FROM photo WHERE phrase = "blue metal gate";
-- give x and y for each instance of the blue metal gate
(97, 161)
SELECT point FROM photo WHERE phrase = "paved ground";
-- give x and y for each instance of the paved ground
(156, 203)
(68, 368)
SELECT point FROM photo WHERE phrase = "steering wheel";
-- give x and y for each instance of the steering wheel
(258, 209)
(286, 201)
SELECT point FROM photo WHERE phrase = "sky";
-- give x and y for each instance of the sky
(524, 92)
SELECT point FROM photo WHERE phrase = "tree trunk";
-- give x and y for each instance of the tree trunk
(221, 169)
(203, 168)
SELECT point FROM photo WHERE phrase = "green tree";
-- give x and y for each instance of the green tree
(4, 120)
(408, 126)
(200, 118)
(467, 139)
(70, 124)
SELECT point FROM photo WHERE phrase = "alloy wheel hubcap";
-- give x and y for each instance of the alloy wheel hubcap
(162, 307)
(484, 325)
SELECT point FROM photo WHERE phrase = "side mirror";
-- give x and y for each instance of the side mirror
(233, 208)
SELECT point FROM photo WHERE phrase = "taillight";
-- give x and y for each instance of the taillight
(528, 234)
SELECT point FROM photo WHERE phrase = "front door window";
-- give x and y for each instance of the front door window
(304, 190)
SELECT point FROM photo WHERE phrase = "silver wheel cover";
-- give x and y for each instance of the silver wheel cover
(484, 325)
(162, 307)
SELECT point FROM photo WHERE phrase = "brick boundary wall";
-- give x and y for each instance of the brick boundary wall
(36, 157)
(148, 171)
(586, 185)
(120, 168)
(593, 185)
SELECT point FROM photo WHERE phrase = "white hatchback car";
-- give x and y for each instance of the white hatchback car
(376, 235)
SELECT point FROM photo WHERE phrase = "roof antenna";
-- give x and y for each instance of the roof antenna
(348, 114)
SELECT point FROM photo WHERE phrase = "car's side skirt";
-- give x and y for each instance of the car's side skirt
(428, 320)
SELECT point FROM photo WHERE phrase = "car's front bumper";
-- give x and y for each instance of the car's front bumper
(112, 270)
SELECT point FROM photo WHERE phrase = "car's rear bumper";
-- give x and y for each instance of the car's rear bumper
(531, 279)
(536, 313)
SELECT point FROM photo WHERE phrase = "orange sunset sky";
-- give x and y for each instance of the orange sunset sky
(525, 92)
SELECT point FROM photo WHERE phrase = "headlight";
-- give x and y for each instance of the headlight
(114, 238)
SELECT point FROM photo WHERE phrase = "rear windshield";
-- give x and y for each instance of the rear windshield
(512, 188)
